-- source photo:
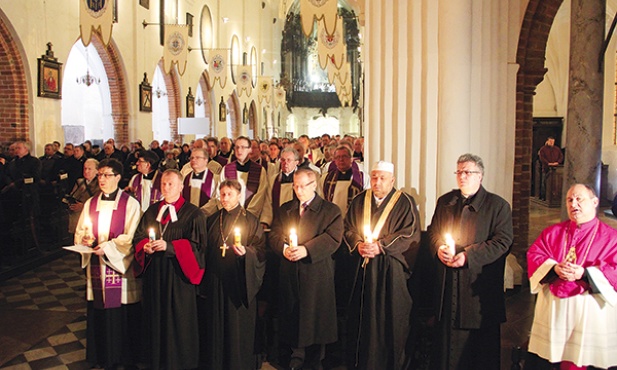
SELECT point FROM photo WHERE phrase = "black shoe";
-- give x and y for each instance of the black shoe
(296, 363)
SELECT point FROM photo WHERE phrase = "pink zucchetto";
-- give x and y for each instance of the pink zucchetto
(384, 166)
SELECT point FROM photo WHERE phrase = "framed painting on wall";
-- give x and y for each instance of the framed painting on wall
(50, 75)
(145, 95)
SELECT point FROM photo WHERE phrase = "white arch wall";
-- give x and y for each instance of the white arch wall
(439, 85)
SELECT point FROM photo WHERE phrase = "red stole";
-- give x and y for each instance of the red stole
(183, 248)
(113, 280)
(252, 184)
(206, 188)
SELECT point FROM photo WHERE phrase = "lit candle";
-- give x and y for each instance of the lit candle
(368, 235)
(87, 225)
(237, 237)
(368, 238)
(88, 237)
(450, 244)
(293, 238)
(151, 234)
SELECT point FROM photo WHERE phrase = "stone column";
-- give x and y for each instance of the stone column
(455, 58)
(586, 88)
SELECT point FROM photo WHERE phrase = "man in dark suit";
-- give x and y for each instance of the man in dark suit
(471, 235)
(305, 233)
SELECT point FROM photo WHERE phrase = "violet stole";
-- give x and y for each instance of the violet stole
(206, 188)
(112, 286)
(252, 183)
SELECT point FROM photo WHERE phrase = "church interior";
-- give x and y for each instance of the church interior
(421, 81)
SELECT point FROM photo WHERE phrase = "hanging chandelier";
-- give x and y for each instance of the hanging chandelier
(88, 79)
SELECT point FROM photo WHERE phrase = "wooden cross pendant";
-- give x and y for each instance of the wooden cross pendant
(223, 248)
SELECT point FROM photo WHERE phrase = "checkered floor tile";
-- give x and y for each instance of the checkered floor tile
(57, 286)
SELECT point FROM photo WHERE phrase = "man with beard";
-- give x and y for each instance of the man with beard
(169, 250)
(382, 231)
(235, 261)
(305, 233)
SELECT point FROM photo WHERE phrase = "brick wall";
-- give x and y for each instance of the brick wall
(531, 53)
(14, 117)
(117, 86)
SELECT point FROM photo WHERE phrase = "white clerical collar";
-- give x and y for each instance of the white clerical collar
(172, 212)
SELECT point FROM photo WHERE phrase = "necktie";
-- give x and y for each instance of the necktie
(303, 208)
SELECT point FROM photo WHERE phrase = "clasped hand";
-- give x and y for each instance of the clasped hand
(158, 245)
(451, 260)
(569, 272)
(294, 254)
(368, 250)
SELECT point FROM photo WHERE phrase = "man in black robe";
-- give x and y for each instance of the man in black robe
(307, 301)
(470, 272)
(169, 249)
(235, 258)
(382, 232)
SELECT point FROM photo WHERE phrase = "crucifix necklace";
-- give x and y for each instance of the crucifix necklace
(224, 247)
(570, 256)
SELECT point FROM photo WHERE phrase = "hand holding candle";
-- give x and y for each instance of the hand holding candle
(151, 234)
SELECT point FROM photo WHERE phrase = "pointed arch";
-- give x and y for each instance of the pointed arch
(15, 107)
(531, 53)
(118, 88)
(172, 83)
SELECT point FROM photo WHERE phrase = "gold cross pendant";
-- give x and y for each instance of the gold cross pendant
(571, 256)
(223, 248)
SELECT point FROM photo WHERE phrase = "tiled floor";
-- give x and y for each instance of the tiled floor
(42, 312)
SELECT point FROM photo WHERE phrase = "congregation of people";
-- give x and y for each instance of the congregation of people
(221, 254)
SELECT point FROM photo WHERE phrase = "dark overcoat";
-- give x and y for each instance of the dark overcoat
(483, 229)
(307, 300)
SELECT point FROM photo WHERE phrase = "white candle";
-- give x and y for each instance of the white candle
(87, 226)
(293, 238)
(151, 234)
(450, 244)
(237, 237)
(368, 235)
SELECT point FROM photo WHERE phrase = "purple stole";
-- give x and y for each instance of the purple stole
(354, 189)
(155, 193)
(252, 183)
(206, 188)
(332, 166)
(113, 280)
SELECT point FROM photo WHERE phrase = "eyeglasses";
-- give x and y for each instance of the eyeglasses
(191, 158)
(467, 173)
(105, 175)
(288, 160)
(302, 187)
(339, 157)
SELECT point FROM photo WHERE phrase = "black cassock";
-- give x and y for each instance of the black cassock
(380, 306)
(170, 287)
(229, 289)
